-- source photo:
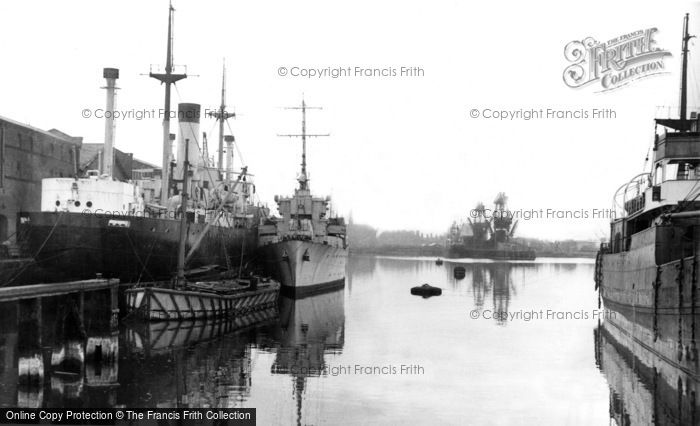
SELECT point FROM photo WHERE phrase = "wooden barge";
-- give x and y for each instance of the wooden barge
(202, 300)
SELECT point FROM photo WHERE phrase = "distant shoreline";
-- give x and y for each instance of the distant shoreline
(439, 251)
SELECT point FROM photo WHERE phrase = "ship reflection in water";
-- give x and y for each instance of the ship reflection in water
(65, 352)
(328, 358)
(490, 281)
(309, 329)
(645, 388)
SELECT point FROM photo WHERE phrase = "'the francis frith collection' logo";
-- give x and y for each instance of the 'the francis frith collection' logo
(614, 63)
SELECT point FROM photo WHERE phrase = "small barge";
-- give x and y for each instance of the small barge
(202, 300)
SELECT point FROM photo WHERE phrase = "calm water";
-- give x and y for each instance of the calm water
(507, 344)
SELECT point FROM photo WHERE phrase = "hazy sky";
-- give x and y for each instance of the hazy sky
(403, 152)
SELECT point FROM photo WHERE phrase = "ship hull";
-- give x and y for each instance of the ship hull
(460, 252)
(304, 268)
(71, 246)
(655, 306)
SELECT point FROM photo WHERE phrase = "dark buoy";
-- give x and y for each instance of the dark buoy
(426, 290)
(459, 272)
(438, 261)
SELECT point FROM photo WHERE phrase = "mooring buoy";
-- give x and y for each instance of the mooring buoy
(426, 290)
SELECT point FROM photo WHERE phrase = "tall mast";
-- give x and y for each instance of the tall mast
(183, 219)
(303, 137)
(684, 75)
(167, 78)
(222, 111)
(221, 116)
(303, 178)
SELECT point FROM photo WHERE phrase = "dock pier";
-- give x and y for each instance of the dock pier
(10, 294)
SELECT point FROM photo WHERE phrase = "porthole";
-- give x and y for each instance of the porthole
(89, 204)
(58, 203)
(77, 204)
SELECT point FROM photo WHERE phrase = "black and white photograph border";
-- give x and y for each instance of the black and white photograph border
(308, 212)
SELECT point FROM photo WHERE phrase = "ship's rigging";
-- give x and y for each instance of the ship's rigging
(303, 176)
(168, 78)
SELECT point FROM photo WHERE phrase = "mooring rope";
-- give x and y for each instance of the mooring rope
(53, 228)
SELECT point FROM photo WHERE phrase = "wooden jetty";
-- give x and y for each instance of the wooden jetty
(8, 294)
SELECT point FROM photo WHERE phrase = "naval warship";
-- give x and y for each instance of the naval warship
(647, 273)
(306, 248)
(487, 234)
(94, 224)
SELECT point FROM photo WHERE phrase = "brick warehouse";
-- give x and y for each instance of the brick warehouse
(28, 155)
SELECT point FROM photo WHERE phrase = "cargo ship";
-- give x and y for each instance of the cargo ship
(131, 230)
(487, 234)
(306, 248)
(647, 273)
